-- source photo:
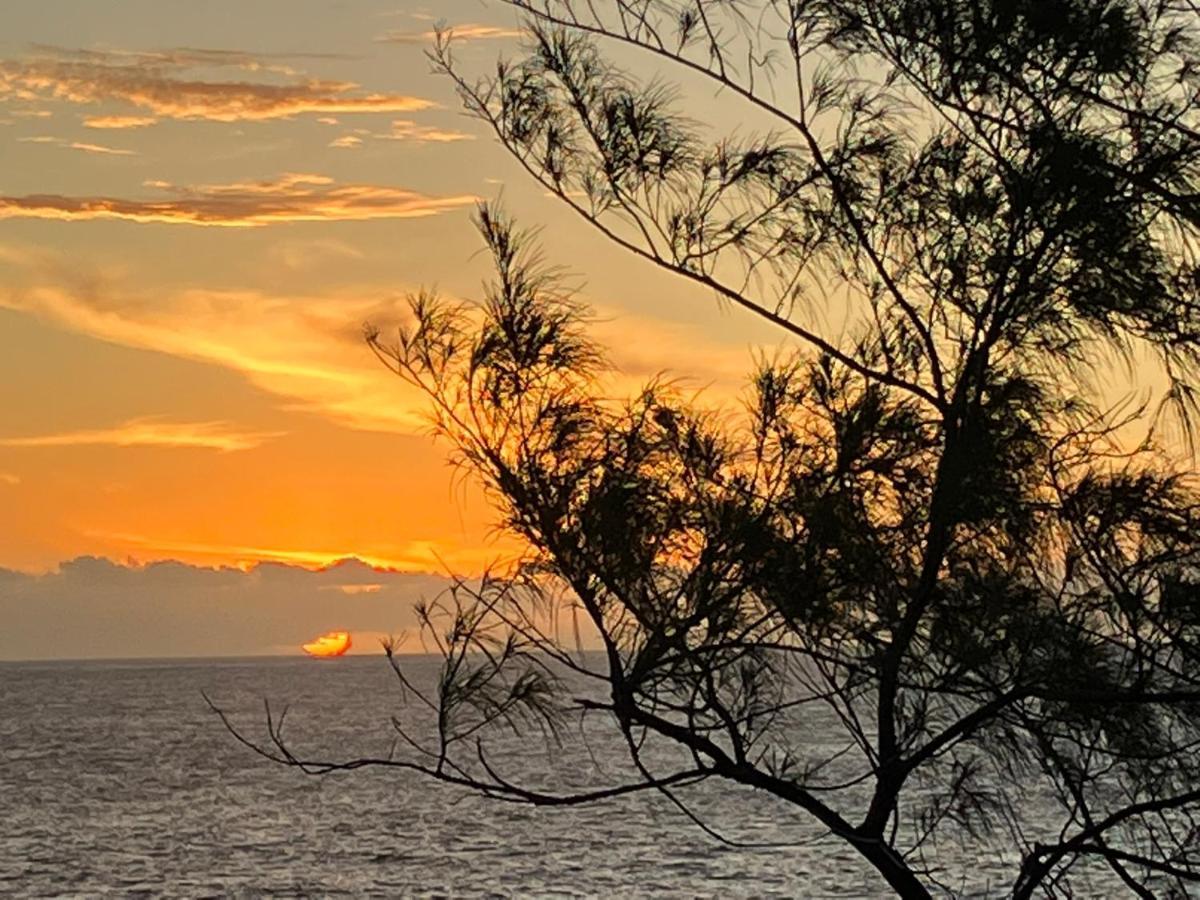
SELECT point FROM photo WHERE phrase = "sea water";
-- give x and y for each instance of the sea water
(116, 779)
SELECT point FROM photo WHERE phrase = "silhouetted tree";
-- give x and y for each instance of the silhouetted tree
(941, 525)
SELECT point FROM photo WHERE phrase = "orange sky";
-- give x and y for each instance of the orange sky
(199, 207)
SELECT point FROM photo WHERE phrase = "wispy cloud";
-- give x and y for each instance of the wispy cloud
(77, 145)
(164, 84)
(307, 350)
(404, 130)
(401, 130)
(470, 31)
(300, 255)
(118, 122)
(152, 432)
(100, 148)
(183, 57)
(289, 198)
(9, 479)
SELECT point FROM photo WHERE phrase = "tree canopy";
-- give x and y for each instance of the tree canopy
(937, 522)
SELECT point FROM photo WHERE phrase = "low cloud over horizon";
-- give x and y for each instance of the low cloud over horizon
(94, 608)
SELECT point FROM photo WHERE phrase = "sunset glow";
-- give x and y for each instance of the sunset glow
(183, 376)
(787, 410)
(335, 643)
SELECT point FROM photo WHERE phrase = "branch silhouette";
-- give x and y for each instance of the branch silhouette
(933, 535)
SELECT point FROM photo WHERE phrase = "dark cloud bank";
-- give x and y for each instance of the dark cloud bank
(93, 608)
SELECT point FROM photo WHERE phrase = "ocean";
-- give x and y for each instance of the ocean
(117, 780)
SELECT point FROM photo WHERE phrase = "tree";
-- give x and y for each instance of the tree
(942, 527)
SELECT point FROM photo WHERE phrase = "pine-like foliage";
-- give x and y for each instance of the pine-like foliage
(933, 522)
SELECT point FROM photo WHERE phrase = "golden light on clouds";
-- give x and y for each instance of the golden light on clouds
(292, 197)
(335, 643)
(156, 83)
(405, 130)
(307, 349)
(353, 590)
(412, 557)
(118, 122)
(284, 442)
(470, 31)
(151, 432)
(100, 148)
(246, 557)
(402, 130)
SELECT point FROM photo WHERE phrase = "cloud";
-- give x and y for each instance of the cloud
(471, 31)
(306, 557)
(76, 145)
(288, 198)
(152, 432)
(9, 479)
(114, 122)
(307, 350)
(358, 568)
(182, 57)
(302, 255)
(353, 589)
(95, 608)
(404, 130)
(99, 148)
(163, 84)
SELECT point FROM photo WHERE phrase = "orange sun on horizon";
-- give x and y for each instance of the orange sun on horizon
(335, 643)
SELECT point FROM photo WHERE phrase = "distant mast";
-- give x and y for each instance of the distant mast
(334, 643)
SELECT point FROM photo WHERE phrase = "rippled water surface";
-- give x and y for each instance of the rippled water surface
(116, 779)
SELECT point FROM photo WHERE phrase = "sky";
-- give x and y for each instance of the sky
(200, 207)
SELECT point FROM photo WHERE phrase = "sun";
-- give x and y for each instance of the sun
(335, 643)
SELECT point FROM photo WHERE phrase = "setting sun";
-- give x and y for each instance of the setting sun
(335, 643)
